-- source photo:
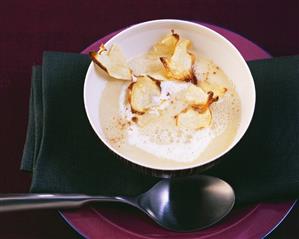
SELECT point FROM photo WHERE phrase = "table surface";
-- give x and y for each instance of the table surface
(30, 27)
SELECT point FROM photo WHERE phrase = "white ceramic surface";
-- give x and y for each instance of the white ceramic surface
(139, 38)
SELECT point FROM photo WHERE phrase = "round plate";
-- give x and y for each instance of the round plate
(121, 221)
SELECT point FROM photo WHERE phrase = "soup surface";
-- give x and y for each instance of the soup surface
(154, 138)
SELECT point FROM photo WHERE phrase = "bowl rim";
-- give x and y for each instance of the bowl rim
(200, 164)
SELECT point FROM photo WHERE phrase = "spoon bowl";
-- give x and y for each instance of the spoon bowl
(179, 204)
(188, 203)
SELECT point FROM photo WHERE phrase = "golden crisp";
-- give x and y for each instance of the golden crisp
(193, 120)
(113, 62)
(141, 94)
(165, 47)
(179, 65)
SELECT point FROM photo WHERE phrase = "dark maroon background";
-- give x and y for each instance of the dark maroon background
(27, 28)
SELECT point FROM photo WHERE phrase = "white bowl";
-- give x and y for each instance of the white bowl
(139, 38)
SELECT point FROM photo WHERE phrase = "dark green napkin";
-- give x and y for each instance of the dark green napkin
(65, 155)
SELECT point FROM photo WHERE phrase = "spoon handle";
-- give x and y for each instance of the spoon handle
(29, 201)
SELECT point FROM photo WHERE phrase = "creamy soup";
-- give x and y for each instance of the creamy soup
(154, 138)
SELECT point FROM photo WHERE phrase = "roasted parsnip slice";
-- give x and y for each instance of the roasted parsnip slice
(193, 120)
(165, 47)
(112, 61)
(207, 86)
(179, 65)
(194, 95)
(203, 107)
(141, 94)
(158, 76)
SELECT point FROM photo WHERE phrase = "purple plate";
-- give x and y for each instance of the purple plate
(123, 222)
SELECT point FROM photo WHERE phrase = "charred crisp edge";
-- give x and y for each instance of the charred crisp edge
(176, 36)
(136, 112)
(165, 63)
(92, 55)
(157, 82)
(130, 87)
(191, 78)
(211, 98)
(194, 79)
(203, 107)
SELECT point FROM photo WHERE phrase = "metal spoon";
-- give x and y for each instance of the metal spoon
(179, 204)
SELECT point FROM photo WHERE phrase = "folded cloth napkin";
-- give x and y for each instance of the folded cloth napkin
(65, 155)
